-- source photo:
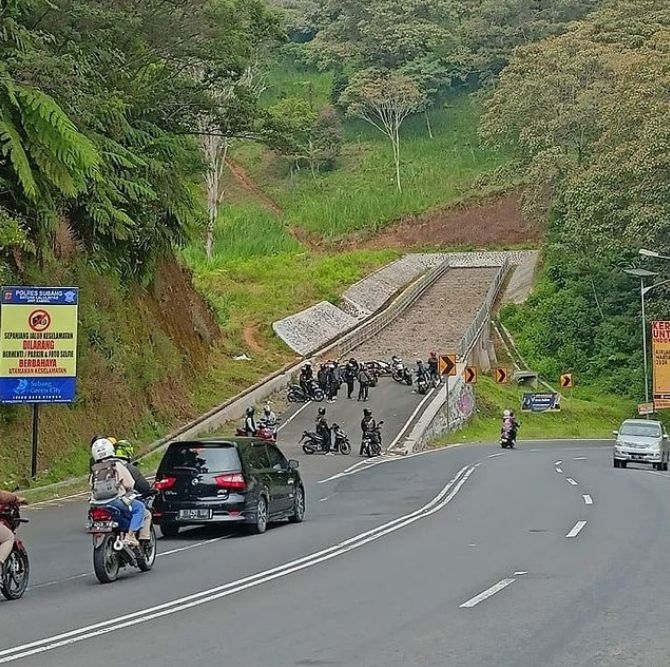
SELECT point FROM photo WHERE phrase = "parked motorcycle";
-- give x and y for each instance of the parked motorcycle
(264, 431)
(297, 395)
(378, 367)
(373, 446)
(400, 373)
(422, 384)
(16, 571)
(313, 443)
(107, 524)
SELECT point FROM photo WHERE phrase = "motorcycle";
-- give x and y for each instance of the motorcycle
(507, 438)
(421, 384)
(107, 524)
(400, 373)
(16, 571)
(296, 393)
(373, 446)
(265, 431)
(378, 368)
(313, 443)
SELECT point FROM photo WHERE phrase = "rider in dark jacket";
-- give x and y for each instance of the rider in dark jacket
(306, 377)
(249, 422)
(369, 429)
(323, 429)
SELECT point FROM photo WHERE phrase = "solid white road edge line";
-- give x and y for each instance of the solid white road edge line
(571, 481)
(443, 498)
(587, 499)
(293, 416)
(489, 592)
(577, 528)
(411, 419)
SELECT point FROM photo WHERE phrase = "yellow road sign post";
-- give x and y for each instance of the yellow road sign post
(501, 375)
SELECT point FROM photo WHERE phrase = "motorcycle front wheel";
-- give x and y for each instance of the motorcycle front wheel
(15, 575)
(106, 562)
(345, 447)
(318, 396)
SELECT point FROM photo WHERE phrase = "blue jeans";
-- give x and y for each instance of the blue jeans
(136, 512)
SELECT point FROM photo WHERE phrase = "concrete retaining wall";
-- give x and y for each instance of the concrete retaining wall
(370, 294)
(314, 327)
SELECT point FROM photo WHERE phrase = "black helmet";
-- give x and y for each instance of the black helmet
(322, 412)
(352, 360)
(250, 411)
(367, 412)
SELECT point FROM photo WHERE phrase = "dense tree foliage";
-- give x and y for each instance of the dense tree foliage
(100, 103)
(588, 115)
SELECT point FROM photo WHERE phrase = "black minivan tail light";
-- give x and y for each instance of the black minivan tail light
(231, 482)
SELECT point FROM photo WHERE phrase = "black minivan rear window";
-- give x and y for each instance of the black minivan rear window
(200, 458)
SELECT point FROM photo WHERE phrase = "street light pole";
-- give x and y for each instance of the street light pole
(643, 291)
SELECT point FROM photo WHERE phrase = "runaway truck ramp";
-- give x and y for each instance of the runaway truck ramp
(437, 321)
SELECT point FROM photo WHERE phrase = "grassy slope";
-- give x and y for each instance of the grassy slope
(360, 194)
(582, 415)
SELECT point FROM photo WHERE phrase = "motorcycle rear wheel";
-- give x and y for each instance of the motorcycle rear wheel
(318, 396)
(307, 449)
(147, 556)
(106, 561)
(15, 575)
(293, 397)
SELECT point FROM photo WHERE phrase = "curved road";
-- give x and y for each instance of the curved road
(467, 556)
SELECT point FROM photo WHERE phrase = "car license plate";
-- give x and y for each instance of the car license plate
(195, 514)
(100, 527)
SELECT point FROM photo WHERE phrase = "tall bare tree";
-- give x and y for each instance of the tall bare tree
(384, 100)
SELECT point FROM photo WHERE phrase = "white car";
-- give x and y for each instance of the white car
(641, 441)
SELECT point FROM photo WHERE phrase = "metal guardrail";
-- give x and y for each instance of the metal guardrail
(473, 331)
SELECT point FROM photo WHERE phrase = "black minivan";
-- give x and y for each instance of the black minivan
(238, 480)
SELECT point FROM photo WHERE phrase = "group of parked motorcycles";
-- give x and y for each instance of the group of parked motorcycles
(403, 375)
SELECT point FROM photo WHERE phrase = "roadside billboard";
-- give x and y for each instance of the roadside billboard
(547, 402)
(660, 350)
(38, 344)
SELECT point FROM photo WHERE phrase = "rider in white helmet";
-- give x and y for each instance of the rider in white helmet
(111, 483)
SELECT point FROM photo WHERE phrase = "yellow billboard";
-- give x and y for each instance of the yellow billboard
(38, 344)
(660, 348)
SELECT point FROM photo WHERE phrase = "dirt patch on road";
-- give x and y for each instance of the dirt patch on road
(494, 222)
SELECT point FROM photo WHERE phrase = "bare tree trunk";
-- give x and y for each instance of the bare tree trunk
(429, 127)
(396, 156)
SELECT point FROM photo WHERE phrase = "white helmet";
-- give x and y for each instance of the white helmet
(102, 449)
(507, 414)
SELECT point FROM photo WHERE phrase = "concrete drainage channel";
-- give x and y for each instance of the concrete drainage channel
(354, 327)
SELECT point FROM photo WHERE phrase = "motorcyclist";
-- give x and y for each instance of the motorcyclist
(421, 370)
(369, 429)
(105, 460)
(306, 377)
(364, 381)
(269, 417)
(434, 367)
(250, 428)
(125, 451)
(350, 375)
(6, 535)
(323, 430)
(510, 424)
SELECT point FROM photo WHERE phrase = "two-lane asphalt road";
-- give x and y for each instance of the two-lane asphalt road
(544, 555)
